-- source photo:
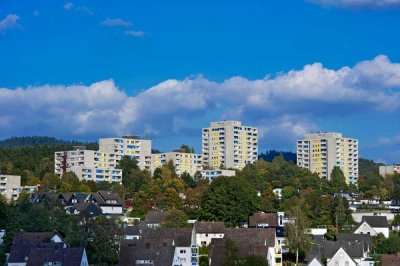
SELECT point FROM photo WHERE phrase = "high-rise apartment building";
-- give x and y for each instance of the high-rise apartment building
(320, 152)
(190, 163)
(389, 169)
(229, 145)
(10, 187)
(130, 146)
(88, 165)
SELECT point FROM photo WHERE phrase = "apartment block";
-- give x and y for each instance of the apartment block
(190, 163)
(10, 186)
(389, 169)
(320, 152)
(213, 174)
(88, 164)
(229, 144)
(131, 146)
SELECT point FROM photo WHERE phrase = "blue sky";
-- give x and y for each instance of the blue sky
(86, 69)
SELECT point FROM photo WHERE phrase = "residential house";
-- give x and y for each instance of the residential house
(109, 202)
(373, 225)
(161, 246)
(154, 219)
(249, 241)
(342, 253)
(132, 232)
(206, 231)
(44, 248)
(88, 209)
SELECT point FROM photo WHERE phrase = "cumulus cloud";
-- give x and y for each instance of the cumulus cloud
(116, 22)
(135, 33)
(369, 4)
(284, 106)
(9, 22)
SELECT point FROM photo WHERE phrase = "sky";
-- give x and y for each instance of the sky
(164, 69)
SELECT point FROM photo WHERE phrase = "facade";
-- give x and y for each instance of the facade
(190, 163)
(341, 258)
(10, 186)
(131, 146)
(389, 169)
(320, 152)
(229, 144)
(92, 165)
(373, 225)
(109, 202)
(213, 174)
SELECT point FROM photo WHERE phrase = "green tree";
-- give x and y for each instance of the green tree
(229, 199)
(338, 180)
(296, 230)
(189, 181)
(176, 219)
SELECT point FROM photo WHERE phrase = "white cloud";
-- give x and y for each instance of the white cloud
(369, 4)
(284, 106)
(9, 22)
(135, 33)
(68, 6)
(116, 22)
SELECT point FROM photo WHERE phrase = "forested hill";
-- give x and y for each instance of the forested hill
(268, 156)
(16, 142)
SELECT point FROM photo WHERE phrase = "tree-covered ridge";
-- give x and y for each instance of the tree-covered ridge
(268, 156)
(32, 163)
(16, 142)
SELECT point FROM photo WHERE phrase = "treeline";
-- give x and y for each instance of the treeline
(33, 157)
(268, 156)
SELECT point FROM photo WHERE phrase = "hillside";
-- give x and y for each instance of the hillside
(16, 142)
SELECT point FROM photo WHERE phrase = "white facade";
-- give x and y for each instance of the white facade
(365, 228)
(205, 239)
(130, 146)
(229, 144)
(182, 256)
(88, 165)
(190, 163)
(213, 174)
(389, 169)
(320, 152)
(341, 258)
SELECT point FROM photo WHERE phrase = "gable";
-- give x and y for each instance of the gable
(341, 256)
(365, 228)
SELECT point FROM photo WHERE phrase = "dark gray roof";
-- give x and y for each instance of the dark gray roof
(132, 230)
(181, 237)
(376, 221)
(103, 198)
(270, 218)
(357, 238)
(66, 256)
(133, 250)
(88, 209)
(20, 252)
(254, 241)
(36, 237)
(251, 236)
(329, 248)
(153, 217)
(209, 227)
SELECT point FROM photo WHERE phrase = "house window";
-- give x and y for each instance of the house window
(183, 251)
